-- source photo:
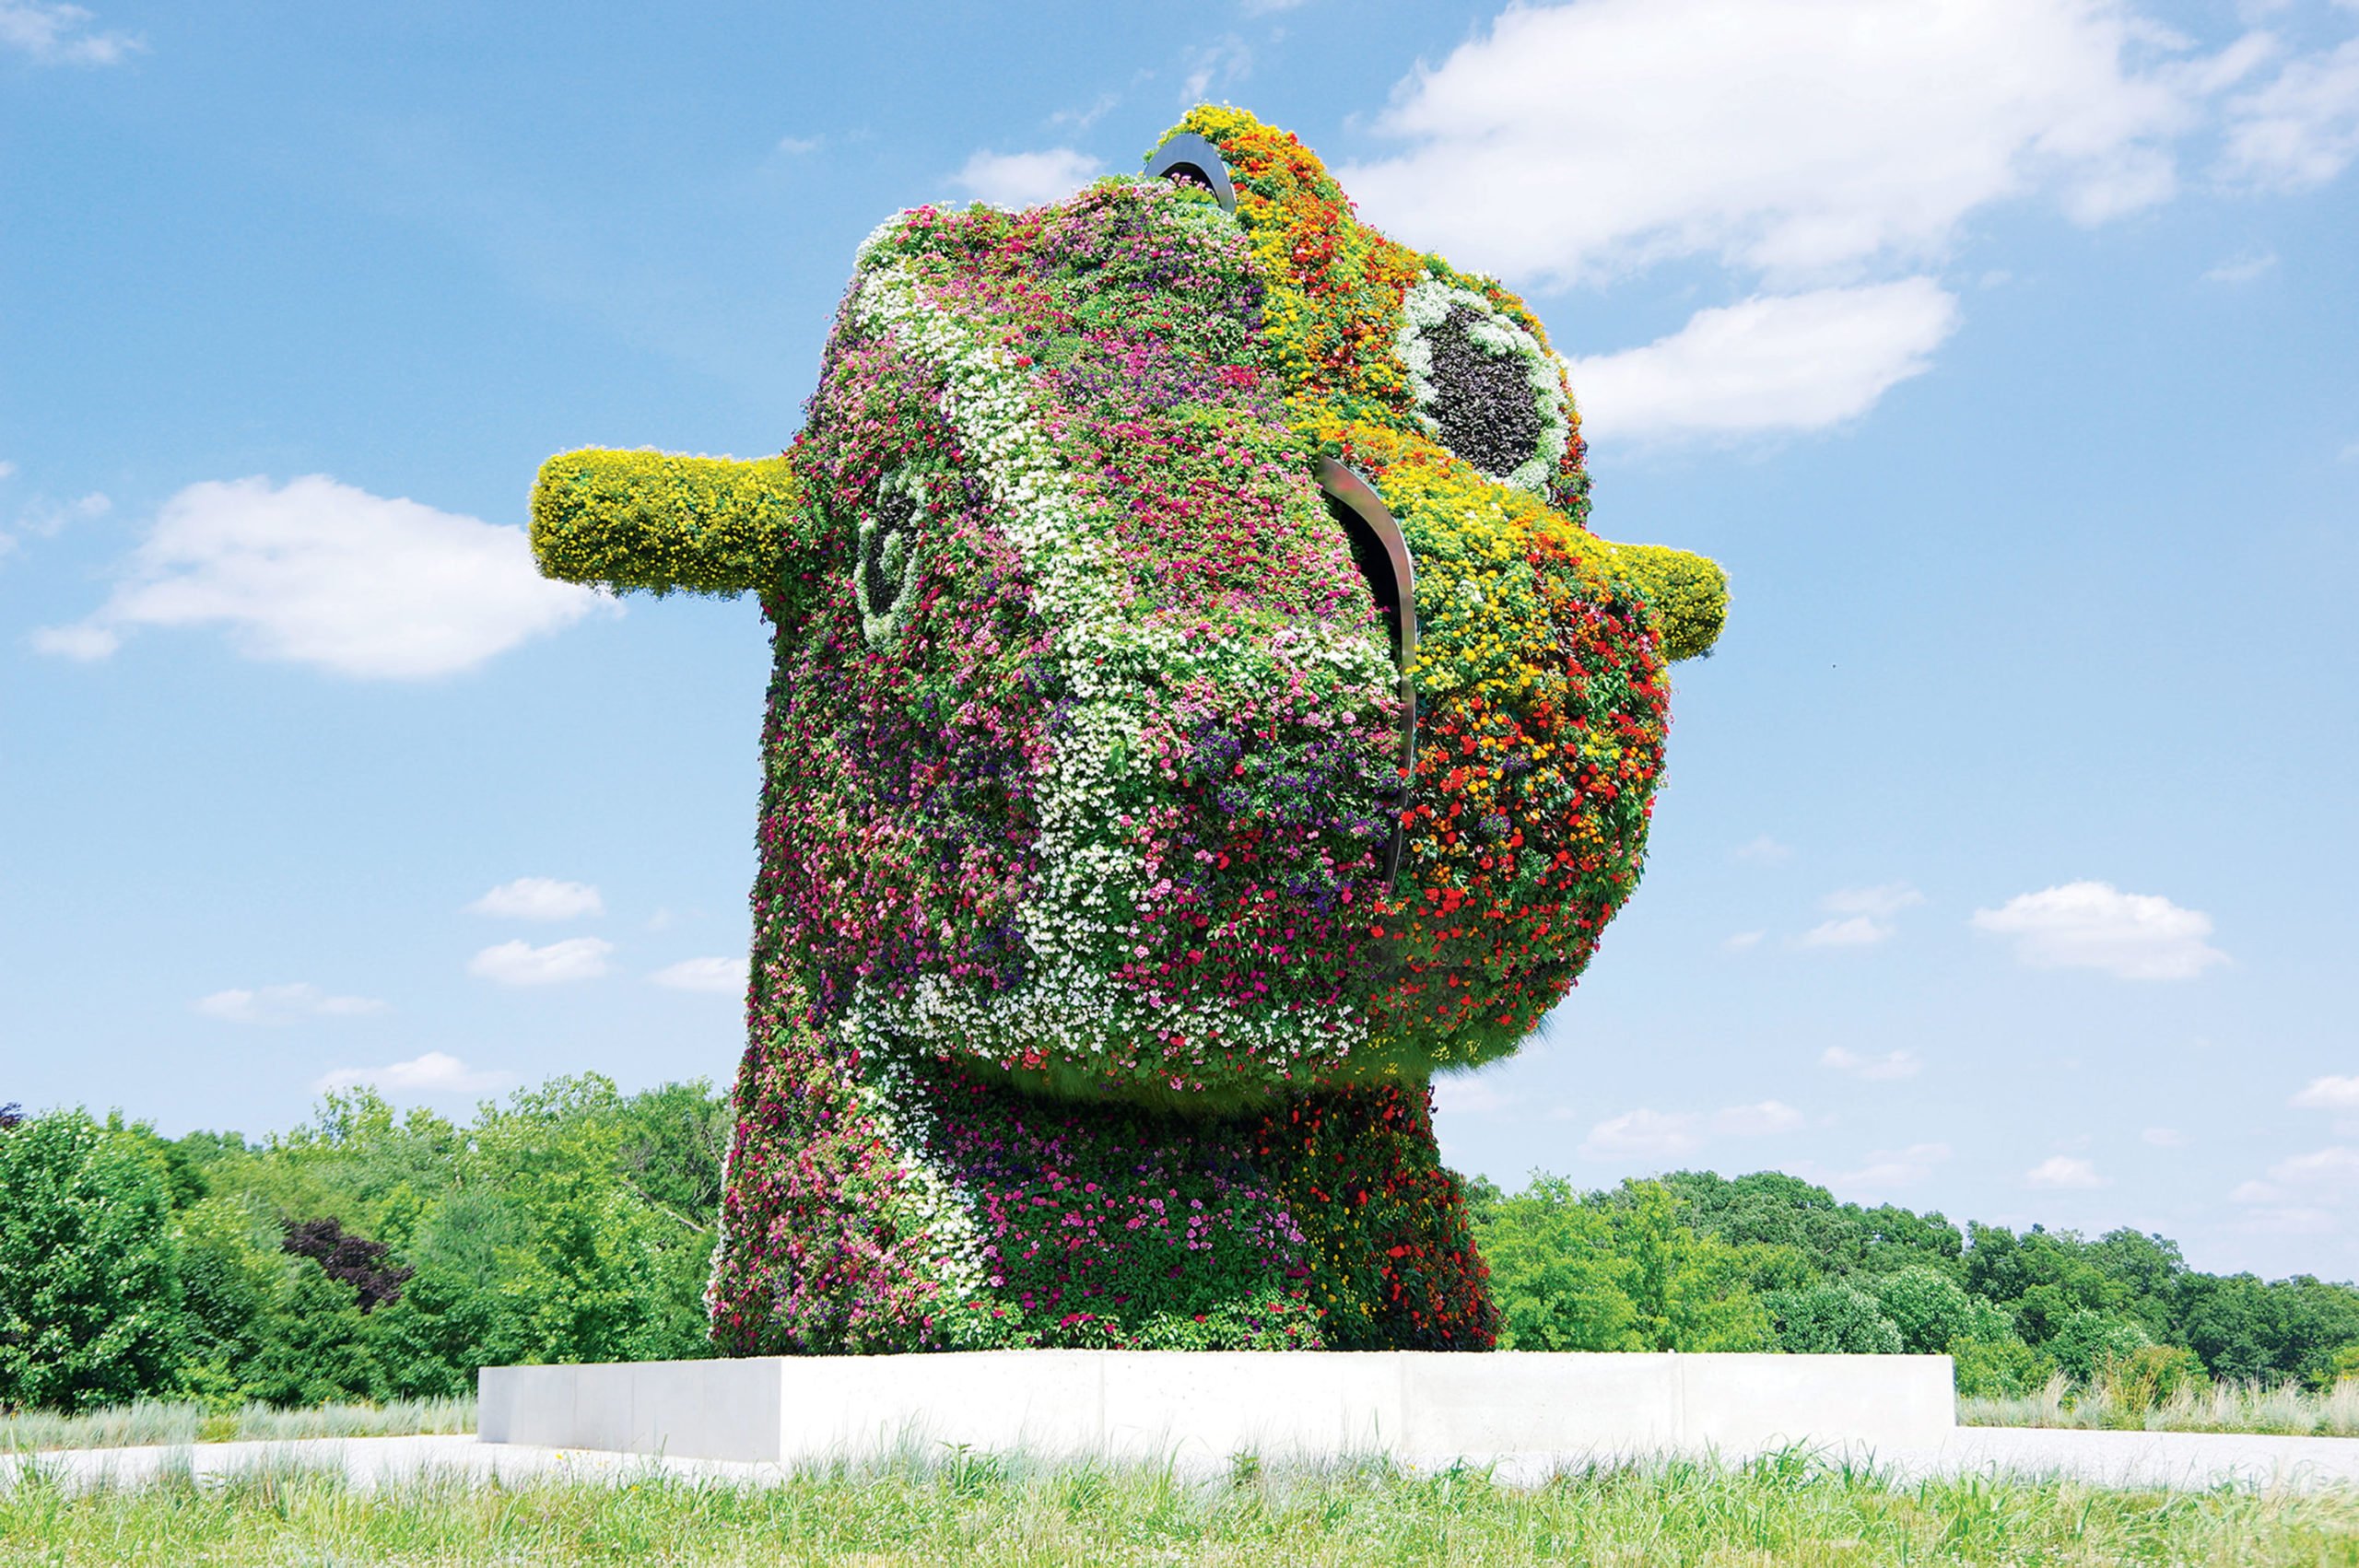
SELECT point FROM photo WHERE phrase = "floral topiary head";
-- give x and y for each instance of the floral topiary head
(1194, 676)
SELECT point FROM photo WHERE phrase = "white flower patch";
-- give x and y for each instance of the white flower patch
(1427, 305)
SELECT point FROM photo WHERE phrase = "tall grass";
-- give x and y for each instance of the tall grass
(1784, 1509)
(2123, 1405)
(151, 1422)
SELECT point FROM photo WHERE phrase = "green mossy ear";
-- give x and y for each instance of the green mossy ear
(1688, 593)
(664, 523)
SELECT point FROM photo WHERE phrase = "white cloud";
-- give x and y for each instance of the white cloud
(2302, 128)
(1883, 900)
(1225, 59)
(520, 964)
(1884, 1069)
(1860, 931)
(1742, 941)
(321, 573)
(1756, 1121)
(283, 1004)
(2094, 925)
(1656, 1135)
(2164, 1137)
(45, 519)
(55, 34)
(1890, 1168)
(1027, 179)
(540, 898)
(1763, 851)
(433, 1073)
(2336, 1166)
(722, 977)
(2327, 1094)
(8, 469)
(1793, 136)
(1771, 363)
(795, 147)
(2243, 267)
(2064, 1171)
(1460, 1094)
(1082, 118)
(1644, 1135)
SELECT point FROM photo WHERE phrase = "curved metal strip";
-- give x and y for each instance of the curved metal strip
(1348, 490)
(1190, 157)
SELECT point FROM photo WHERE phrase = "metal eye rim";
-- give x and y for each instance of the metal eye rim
(1192, 159)
(1348, 490)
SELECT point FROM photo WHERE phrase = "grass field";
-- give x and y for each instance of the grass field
(964, 1510)
(2286, 1408)
(155, 1422)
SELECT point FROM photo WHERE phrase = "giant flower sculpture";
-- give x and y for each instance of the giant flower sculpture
(1200, 715)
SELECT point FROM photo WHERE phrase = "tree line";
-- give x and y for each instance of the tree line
(375, 1254)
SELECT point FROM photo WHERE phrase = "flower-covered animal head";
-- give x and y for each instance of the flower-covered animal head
(1194, 675)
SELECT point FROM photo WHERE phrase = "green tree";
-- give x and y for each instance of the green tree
(1931, 1311)
(2086, 1343)
(1558, 1280)
(1692, 1291)
(1832, 1318)
(89, 1300)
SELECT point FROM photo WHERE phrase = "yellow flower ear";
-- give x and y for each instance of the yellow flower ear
(667, 523)
(1689, 593)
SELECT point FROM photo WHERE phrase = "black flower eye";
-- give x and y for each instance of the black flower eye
(1482, 385)
(887, 541)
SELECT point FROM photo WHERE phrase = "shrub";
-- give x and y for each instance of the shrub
(1930, 1311)
(1831, 1317)
(2085, 1342)
(89, 1301)
(1998, 1368)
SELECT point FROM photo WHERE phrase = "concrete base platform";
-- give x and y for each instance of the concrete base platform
(1408, 1406)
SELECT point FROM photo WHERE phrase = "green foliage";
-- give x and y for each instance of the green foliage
(667, 523)
(1833, 1318)
(2086, 1343)
(1993, 1369)
(2151, 1375)
(1615, 1271)
(90, 1296)
(1931, 1311)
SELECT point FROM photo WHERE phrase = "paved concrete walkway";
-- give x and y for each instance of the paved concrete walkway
(2177, 1459)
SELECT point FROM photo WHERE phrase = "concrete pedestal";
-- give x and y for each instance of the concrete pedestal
(1406, 1405)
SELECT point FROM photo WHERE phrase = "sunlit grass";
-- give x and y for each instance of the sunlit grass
(967, 1509)
(146, 1423)
(2282, 1408)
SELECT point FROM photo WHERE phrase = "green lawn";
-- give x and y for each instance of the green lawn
(972, 1512)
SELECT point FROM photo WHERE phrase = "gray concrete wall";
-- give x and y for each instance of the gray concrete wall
(1406, 1404)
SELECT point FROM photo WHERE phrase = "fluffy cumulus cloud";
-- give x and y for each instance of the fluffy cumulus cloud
(49, 33)
(433, 1073)
(2063, 1172)
(1790, 137)
(1822, 152)
(323, 574)
(1027, 179)
(522, 963)
(719, 977)
(2330, 1092)
(2094, 925)
(1774, 362)
(1884, 1069)
(283, 1004)
(540, 898)
(1658, 1135)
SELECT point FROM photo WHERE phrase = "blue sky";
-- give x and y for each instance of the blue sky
(2003, 350)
